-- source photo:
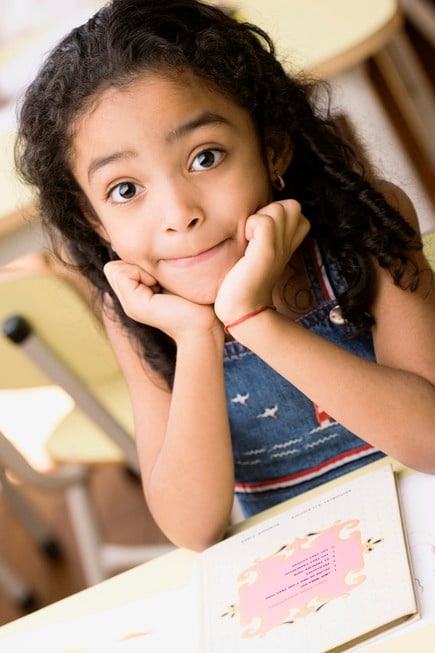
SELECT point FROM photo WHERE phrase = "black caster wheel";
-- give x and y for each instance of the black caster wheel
(51, 548)
(28, 603)
(132, 473)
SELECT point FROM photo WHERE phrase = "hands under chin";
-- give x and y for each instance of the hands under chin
(273, 234)
(143, 300)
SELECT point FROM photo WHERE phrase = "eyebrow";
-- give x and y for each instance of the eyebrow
(100, 162)
(202, 120)
(206, 118)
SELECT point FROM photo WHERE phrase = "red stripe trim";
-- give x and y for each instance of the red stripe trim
(259, 486)
(318, 268)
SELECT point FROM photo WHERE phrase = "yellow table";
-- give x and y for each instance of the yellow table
(324, 37)
(171, 572)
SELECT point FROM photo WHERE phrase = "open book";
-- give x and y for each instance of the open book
(320, 577)
(323, 575)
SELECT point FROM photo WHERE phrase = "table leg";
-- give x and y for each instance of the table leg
(353, 94)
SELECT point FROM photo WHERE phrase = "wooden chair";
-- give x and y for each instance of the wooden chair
(51, 336)
(73, 480)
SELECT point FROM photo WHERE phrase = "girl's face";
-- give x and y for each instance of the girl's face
(172, 170)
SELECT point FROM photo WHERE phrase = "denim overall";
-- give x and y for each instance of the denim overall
(283, 444)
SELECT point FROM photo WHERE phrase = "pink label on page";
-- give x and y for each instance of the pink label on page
(301, 578)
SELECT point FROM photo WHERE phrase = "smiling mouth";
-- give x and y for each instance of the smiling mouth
(186, 261)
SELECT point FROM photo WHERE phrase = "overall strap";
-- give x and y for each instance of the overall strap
(326, 280)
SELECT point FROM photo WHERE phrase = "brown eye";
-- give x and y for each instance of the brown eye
(207, 159)
(124, 192)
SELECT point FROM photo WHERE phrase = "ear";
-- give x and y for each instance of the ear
(279, 153)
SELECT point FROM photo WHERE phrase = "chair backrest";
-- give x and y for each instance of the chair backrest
(62, 318)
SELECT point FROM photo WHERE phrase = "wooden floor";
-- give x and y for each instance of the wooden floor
(119, 498)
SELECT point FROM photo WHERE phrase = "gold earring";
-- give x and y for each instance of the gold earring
(278, 182)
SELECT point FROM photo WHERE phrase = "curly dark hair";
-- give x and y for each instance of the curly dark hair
(352, 222)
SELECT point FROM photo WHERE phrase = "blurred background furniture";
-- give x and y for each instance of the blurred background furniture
(51, 338)
(335, 40)
(28, 30)
(421, 13)
(99, 559)
(73, 480)
(408, 83)
(54, 338)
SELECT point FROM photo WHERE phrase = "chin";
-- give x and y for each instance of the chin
(204, 296)
(204, 299)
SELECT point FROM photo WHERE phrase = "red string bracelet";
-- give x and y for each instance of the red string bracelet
(229, 326)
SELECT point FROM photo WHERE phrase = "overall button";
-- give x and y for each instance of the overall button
(336, 316)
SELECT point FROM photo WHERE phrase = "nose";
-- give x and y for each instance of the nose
(181, 207)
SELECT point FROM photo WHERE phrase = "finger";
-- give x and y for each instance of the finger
(277, 236)
(281, 219)
(258, 225)
(115, 270)
(295, 226)
(132, 286)
(289, 208)
(283, 214)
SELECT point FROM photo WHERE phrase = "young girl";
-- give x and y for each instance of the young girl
(195, 184)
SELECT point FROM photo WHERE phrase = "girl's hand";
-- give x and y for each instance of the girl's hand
(143, 300)
(273, 235)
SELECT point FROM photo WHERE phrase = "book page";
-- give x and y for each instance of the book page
(417, 492)
(418, 500)
(313, 578)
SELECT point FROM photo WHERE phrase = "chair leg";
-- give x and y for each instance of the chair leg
(38, 530)
(411, 89)
(421, 13)
(356, 97)
(85, 524)
(100, 559)
(16, 589)
(42, 356)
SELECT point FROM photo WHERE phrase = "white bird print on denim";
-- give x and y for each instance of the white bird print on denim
(241, 399)
(270, 412)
